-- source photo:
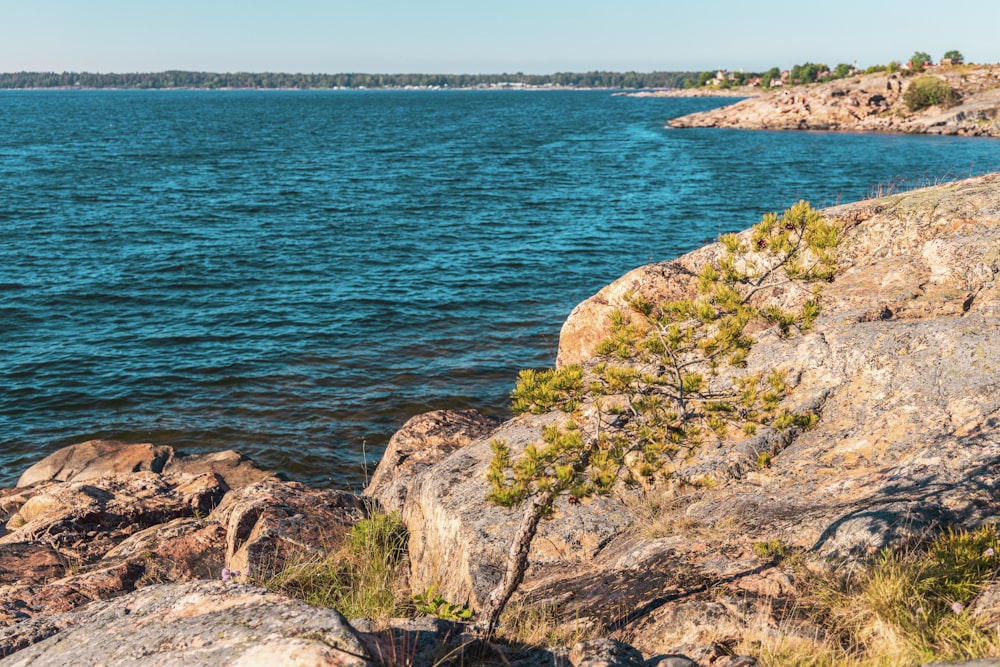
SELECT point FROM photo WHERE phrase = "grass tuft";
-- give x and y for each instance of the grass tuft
(361, 579)
(906, 607)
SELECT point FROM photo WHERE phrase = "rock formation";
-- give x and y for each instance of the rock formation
(100, 519)
(194, 624)
(869, 103)
(901, 368)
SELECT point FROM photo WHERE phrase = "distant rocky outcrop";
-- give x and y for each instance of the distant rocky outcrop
(869, 103)
(740, 91)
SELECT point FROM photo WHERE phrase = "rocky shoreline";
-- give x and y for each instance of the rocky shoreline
(869, 103)
(115, 553)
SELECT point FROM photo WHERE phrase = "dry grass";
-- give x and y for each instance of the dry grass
(543, 626)
(905, 608)
(656, 514)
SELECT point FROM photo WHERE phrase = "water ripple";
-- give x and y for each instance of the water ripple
(294, 274)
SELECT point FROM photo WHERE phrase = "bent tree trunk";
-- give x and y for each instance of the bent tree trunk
(535, 508)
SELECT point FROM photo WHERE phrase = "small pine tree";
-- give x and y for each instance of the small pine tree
(656, 389)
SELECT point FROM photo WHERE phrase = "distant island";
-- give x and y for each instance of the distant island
(277, 80)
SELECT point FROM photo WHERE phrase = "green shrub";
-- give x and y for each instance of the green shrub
(432, 604)
(929, 91)
(770, 550)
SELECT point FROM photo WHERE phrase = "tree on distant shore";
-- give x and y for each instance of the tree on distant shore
(807, 72)
(279, 80)
(769, 76)
(919, 59)
(955, 57)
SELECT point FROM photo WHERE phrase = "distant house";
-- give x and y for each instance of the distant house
(946, 62)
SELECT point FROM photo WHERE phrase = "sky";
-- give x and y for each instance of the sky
(482, 36)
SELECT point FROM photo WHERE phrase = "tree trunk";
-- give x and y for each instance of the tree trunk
(517, 560)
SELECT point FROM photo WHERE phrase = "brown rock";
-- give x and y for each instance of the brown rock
(101, 458)
(29, 563)
(85, 520)
(423, 441)
(68, 542)
(268, 522)
(235, 469)
(56, 557)
(179, 550)
(96, 458)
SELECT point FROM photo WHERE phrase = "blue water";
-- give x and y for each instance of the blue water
(294, 274)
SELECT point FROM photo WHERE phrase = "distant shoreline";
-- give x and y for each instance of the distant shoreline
(171, 79)
(614, 91)
(617, 92)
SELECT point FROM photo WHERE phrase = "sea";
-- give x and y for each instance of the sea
(294, 274)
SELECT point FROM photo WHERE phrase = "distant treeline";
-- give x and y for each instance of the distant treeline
(210, 80)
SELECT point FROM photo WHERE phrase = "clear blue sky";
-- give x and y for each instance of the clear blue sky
(479, 36)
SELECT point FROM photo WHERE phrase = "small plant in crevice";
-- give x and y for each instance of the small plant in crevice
(432, 604)
(669, 377)
(770, 549)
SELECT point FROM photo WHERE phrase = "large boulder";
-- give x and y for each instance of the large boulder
(191, 624)
(458, 541)
(96, 458)
(270, 522)
(421, 442)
